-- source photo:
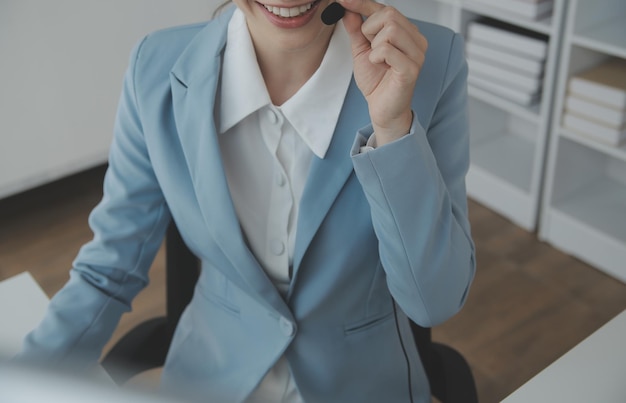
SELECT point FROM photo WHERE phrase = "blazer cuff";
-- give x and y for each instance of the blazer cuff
(365, 140)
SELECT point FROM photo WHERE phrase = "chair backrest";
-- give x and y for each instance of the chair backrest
(182, 271)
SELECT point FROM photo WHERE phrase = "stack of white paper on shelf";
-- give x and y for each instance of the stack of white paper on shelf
(531, 9)
(596, 102)
(506, 60)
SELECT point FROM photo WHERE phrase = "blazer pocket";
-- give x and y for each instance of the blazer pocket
(221, 302)
(367, 323)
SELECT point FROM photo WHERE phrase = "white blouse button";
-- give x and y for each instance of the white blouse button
(271, 115)
(277, 247)
(280, 180)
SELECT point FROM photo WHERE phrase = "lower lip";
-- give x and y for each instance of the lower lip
(291, 22)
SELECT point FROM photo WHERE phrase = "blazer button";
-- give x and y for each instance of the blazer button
(286, 326)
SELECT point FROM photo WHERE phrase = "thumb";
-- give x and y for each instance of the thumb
(352, 23)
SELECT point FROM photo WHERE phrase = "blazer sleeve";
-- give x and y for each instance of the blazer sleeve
(128, 225)
(416, 190)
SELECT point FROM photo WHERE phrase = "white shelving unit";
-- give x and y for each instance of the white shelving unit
(584, 204)
(508, 140)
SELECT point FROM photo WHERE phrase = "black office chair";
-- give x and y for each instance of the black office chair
(145, 347)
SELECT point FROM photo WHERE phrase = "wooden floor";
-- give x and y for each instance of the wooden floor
(529, 303)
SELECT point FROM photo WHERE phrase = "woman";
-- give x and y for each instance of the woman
(317, 172)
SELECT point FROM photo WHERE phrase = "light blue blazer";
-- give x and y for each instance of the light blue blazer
(382, 236)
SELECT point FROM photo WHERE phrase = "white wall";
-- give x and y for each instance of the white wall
(61, 69)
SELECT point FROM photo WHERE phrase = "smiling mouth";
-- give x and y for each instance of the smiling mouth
(290, 12)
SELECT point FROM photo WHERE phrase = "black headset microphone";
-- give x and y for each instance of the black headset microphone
(333, 13)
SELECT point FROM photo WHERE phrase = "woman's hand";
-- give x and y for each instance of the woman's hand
(388, 52)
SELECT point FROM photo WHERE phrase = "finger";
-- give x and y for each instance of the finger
(413, 44)
(406, 70)
(363, 7)
(352, 22)
(385, 16)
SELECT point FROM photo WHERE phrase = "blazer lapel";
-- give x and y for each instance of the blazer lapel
(194, 81)
(328, 176)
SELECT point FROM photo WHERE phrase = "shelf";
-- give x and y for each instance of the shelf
(601, 205)
(530, 113)
(502, 145)
(591, 225)
(508, 157)
(608, 37)
(616, 152)
(501, 173)
(500, 196)
(542, 26)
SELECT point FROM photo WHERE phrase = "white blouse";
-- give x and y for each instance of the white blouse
(267, 151)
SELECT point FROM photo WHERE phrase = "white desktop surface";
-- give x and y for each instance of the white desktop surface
(22, 306)
(593, 371)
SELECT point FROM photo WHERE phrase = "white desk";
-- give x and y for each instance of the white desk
(593, 371)
(22, 306)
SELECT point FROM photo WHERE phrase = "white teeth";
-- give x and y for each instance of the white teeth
(288, 12)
